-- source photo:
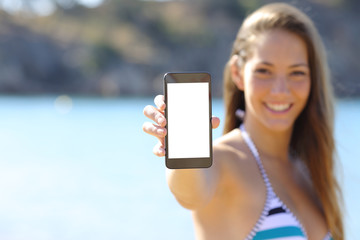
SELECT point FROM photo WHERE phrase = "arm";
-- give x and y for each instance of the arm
(191, 187)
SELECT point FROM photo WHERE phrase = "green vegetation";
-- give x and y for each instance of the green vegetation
(123, 47)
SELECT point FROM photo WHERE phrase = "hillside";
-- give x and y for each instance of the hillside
(123, 47)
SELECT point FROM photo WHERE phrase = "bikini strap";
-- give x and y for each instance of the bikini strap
(256, 155)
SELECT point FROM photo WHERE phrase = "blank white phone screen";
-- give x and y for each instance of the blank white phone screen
(188, 120)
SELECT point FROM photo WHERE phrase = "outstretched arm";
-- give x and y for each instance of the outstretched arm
(192, 188)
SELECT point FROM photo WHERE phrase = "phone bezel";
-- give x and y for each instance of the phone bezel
(185, 163)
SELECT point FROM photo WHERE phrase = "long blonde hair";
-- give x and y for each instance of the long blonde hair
(312, 139)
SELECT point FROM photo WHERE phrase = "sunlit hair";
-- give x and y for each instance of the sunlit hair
(312, 139)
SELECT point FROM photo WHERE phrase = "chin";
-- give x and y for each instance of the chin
(280, 126)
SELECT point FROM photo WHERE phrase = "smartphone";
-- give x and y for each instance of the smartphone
(188, 141)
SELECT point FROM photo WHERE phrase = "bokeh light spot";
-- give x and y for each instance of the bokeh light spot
(63, 104)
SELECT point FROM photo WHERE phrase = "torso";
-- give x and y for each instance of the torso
(241, 194)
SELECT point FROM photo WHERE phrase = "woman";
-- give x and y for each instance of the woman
(272, 177)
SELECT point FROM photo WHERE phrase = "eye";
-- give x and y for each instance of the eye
(298, 73)
(262, 71)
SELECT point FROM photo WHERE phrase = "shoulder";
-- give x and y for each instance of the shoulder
(230, 143)
(238, 170)
(231, 151)
(303, 177)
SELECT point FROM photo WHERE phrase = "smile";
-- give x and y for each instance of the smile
(278, 107)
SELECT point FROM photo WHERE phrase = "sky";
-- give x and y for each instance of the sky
(43, 7)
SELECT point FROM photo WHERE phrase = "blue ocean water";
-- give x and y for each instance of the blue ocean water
(81, 168)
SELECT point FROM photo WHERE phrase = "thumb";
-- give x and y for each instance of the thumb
(215, 122)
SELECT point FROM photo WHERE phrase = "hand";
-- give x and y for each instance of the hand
(158, 129)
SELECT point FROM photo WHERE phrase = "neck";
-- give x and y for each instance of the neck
(270, 143)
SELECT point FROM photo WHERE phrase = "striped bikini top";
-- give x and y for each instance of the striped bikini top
(276, 221)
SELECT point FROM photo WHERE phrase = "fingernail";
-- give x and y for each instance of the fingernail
(160, 120)
(160, 131)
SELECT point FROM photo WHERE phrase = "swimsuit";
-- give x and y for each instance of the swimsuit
(276, 221)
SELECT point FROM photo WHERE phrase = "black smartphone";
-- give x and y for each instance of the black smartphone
(188, 141)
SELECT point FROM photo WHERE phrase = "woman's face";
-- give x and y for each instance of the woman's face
(276, 80)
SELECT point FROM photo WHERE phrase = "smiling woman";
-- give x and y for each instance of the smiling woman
(273, 169)
(276, 78)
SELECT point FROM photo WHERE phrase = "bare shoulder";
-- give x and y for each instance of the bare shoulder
(230, 143)
(303, 177)
(231, 151)
(239, 173)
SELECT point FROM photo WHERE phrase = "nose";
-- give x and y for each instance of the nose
(280, 85)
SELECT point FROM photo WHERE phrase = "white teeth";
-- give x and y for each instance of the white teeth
(278, 107)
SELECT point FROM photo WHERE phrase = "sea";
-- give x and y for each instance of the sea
(81, 168)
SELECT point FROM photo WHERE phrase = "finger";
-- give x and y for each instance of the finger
(215, 122)
(160, 102)
(154, 130)
(155, 115)
(159, 150)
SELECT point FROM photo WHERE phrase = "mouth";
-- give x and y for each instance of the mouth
(278, 107)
